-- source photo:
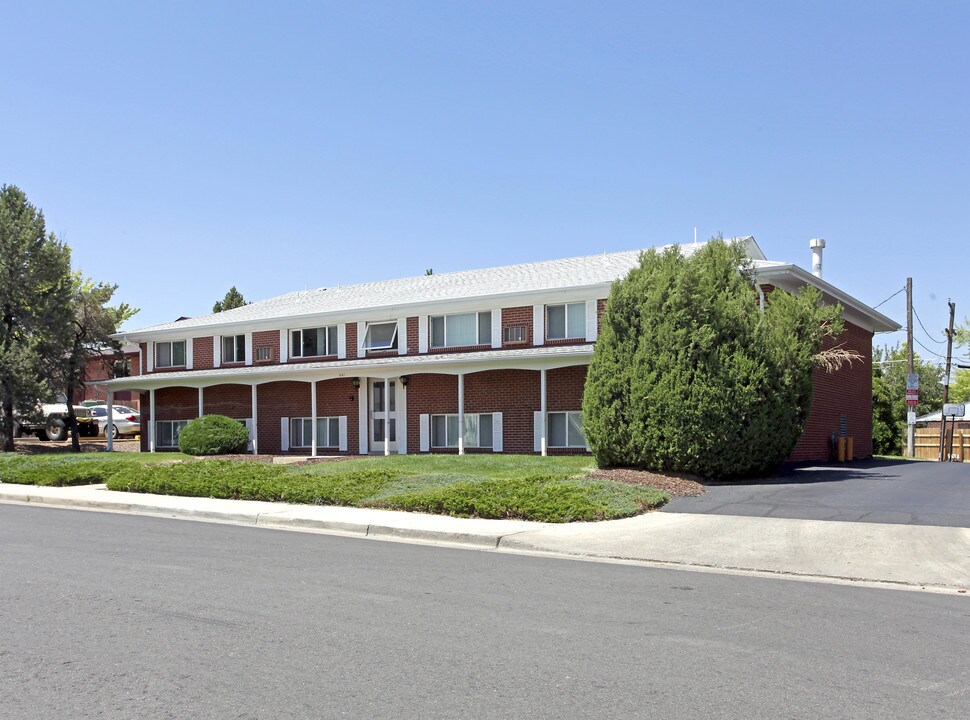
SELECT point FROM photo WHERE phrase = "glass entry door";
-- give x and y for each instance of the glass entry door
(376, 405)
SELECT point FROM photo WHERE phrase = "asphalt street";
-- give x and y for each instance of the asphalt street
(878, 491)
(117, 616)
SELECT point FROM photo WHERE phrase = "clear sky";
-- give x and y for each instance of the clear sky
(183, 147)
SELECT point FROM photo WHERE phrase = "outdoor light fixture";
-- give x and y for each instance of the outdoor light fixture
(404, 381)
(356, 383)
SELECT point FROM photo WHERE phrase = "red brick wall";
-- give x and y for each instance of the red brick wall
(517, 317)
(413, 333)
(270, 339)
(351, 340)
(202, 358)
(845, 392)
(292, 399)
(600, 312)
(233, 401)
(144, 358)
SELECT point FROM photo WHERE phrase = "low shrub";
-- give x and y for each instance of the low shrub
(56, 470)
(213, 435)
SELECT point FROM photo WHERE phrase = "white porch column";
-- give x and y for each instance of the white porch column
(387, 416)
(109, 428)
(313, 419)
(200, 402)
(542, 409)
(151, 420)
(461, 413)
(255, 422)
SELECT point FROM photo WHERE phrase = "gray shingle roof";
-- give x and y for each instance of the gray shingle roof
(488, 282)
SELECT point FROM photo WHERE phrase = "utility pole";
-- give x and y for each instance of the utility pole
(944, 455)
(910, 428)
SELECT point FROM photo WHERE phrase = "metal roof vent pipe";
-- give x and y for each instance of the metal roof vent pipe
(817, 245)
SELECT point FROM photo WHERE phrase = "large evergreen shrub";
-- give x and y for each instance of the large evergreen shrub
(213, 435)
(689, 376)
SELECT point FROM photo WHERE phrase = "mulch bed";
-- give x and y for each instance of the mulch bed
(33, 446)
(677, 485)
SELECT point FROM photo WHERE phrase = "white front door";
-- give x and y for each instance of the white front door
(377, 416)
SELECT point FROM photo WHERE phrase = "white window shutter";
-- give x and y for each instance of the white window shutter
(424, 422)
(216, 351)
(284, 434)
(361, 329)
(150, 361)
(188, 354)
(497, 328)
(249, 348)
(422, 334)
(497, 445)
(342, 442)
(591, 320)
(537, 431)
(538, 324)
(342, 341)
(284, 346)
(402, 336)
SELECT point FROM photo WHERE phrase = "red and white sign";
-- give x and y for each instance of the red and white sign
(912, 397)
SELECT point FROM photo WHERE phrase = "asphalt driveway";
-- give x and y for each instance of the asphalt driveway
(876, 491)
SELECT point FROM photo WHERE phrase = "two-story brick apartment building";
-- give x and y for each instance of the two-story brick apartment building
(489, 360)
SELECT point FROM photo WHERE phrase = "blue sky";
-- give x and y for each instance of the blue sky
(181, 148)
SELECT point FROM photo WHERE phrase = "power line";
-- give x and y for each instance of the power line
(902, 289)
(931, 352)
(928, 334)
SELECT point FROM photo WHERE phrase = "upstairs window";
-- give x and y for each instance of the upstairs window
(170, 354)
(381, 336)
(233, 348)
(566, 321)
(313, 342)
(448, 331)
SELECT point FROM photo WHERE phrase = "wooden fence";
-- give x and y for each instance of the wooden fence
(927, 445)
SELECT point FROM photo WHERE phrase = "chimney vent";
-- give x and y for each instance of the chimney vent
(817, 245)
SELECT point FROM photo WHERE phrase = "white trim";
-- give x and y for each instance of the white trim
(387, 416)
(537, 431)
(284, 346)
(422, 334)
(498, 444)
(342, 431)
(284, 434)
(151, 420)
(461, 413)
(424, 427)
(253, 407)
(361, 329)
(402, 418)
(543, 408)
(249, 348)
(313, 418)
(150, 360)
(591, 320)
(341, 341)
(538, 324)
(188, 354)
(216, 351)
(402, 336)
(201, 402)
(362, 423)
(497, 328)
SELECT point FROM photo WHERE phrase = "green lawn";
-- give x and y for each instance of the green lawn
(553, 489)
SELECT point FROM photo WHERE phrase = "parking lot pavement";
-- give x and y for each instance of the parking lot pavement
(875, 491)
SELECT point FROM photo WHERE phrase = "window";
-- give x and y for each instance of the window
(566, 430)
(121, 368)
(448, 331)
(170, 354)
(328, 432)
(566, 321)
(515, 334)
(381, 336)
(233, 348)
(264, 353)
(314, 342)
(478, 430)
(167, 432)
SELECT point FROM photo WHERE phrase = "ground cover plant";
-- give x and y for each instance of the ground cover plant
(522, 487)
(62, 469)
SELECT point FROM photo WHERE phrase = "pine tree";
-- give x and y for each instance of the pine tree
(232, 300)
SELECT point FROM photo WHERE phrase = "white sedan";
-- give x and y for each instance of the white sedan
(126, 421)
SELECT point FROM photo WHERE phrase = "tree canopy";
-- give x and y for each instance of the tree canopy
(889, 370)
(689, 376)
(35, 290)
(233, 299)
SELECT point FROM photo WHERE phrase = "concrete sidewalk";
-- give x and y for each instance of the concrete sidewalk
(900, 554)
